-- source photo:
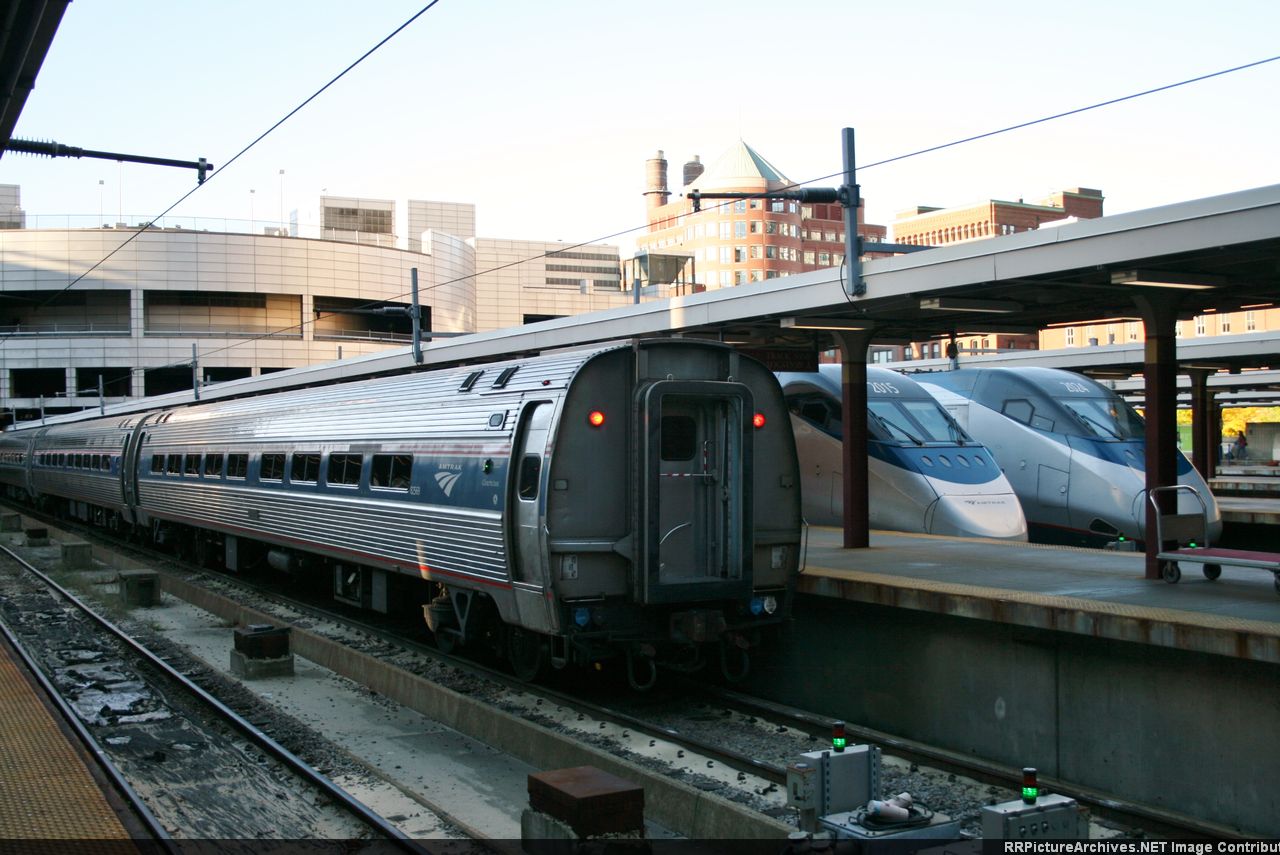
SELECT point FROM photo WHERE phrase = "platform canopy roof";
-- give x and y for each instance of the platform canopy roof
(1220, 254)
(26, 31)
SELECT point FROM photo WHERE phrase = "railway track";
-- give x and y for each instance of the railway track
(194, 767)
(702, 746)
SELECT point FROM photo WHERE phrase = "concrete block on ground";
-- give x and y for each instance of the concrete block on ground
(37, 537)
(10, 522)
(76, 555)
(591, 801)
(542, 834)
(139, 587)
(262, 641)
(252, 669)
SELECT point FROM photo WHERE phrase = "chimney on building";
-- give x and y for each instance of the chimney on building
(692, 169)
(655, 174)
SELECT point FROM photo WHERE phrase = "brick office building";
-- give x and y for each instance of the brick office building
(928, 226)
(743, 240)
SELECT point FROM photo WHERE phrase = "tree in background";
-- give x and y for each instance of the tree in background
(1234, 419)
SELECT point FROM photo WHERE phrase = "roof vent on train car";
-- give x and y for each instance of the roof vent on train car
(505, 377)
(470, 381)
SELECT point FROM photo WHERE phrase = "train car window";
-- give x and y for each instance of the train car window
(157, 464)
(817, 412)
(213, 465)
(272, 467)
(237, 465)
(173, 464)
(679, 437)
(345, 468)
(305, 466)
(933, 419)
(192, 466)
(391, 471)
(470, 381)
(1020, 409)
(530, 470)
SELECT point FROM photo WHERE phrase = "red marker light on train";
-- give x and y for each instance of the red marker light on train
(595, 418)
(758, 420)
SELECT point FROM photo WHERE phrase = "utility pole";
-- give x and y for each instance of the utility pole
(195, 370)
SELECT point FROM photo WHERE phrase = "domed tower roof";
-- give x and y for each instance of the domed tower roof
(741, 168)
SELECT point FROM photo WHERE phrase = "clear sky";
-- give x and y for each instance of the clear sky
(543, 113)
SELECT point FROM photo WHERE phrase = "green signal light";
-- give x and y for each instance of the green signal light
(838, 742)
(1192, 544)
(1030, 786)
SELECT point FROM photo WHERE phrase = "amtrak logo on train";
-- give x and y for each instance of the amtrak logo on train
(447, 480)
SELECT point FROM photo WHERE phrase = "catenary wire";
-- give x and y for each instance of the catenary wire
(237, 155)
(301, 325)
(883, 162)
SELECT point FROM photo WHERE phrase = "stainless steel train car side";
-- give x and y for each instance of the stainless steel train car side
(1073, 449)
(15, 469)
(82, 463)
(639, 499)
(925, 474)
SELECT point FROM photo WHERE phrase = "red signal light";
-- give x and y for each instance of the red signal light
(595, 418)
(758, 420)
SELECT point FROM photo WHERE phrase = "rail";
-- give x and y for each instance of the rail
(254, 734)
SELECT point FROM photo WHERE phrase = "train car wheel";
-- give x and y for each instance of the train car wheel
(643, 677)
(735, 662)
(1212, 571)
(1169, 572)
(447, 640)
(527, 652)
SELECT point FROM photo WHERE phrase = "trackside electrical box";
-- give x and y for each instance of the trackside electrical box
(834, 781)
(855, 825)
(1050, 817)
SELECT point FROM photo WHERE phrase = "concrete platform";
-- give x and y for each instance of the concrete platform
(1089, 592)
(47, 788)
(1255, 508)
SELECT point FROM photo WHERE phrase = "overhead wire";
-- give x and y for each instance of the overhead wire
(616, 234)
(764, 194)
(146, 226)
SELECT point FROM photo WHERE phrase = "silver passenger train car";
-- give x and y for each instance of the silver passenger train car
(1073, 449)
(925, 474)
(637, 500)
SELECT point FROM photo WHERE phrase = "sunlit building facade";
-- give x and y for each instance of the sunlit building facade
(742, 240)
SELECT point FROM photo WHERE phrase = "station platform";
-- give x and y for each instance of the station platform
(1086, 591)
(1254, 508)
(49, 788)
(1240, 479)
